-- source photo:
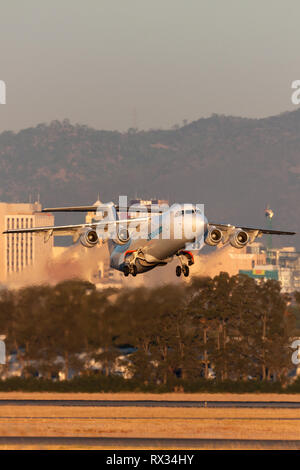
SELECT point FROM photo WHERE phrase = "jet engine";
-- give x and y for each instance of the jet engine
(122, 236)
(89, 238)
(214, 236)
(239, 238)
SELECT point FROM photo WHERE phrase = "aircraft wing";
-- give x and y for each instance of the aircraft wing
(76, 229)
(253, 232)
(104, 207)
(261, 231)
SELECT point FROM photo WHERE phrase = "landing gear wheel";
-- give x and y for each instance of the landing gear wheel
(126, 270)
(185, 270)
(178, 271)
(134, 270)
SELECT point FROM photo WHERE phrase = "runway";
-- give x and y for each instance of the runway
(143, 418)
(121, 423)
(150, 443)
(152, 403)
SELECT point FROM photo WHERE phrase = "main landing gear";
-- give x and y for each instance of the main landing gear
(186, 259)
(130, 263)
(184, 269)
(130, 269)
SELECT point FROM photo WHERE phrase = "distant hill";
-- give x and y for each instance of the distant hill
(235, 166)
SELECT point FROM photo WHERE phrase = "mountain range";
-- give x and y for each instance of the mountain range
(234, 166)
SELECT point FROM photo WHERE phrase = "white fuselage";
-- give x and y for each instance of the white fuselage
(159, 239)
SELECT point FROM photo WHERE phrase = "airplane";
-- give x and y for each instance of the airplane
(140, 244)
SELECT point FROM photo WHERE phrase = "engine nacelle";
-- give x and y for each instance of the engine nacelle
(89, 238)
(122, 236)
(239, 239)
(213, 237)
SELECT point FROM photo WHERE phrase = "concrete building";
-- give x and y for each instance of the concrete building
(262, 272)
(19, 251)
(161, 203)
(149, 202)
(282, 264)
(288, 261)
(229, 260)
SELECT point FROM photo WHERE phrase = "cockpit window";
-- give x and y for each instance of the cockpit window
(188, 211)
(185, 211)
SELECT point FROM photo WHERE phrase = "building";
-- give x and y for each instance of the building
(247, 258)
(229, 259)
(288, 261)
(157, 203)
(149, 202)
(258, 262)
(263, 272)
(19, 251)
(282, 264)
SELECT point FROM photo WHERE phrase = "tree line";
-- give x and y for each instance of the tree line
(225, 328)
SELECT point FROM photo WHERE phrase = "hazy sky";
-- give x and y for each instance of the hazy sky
(114, 64)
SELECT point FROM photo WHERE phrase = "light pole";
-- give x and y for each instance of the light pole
(269, 216)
